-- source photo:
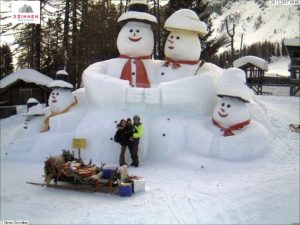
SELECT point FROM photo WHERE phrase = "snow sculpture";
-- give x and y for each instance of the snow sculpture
(173, 76)
(232, 134)
(163, 104)
(34, 118)
(61, 99)
(183, 48)
(184, 89)
(115, 77)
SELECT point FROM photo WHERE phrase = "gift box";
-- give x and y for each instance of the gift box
(138, 183)
(108, 171)
(125, 189)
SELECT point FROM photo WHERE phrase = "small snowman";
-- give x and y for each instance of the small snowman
(34, 118)
(231, 134)
(111, 81)
(61, 99)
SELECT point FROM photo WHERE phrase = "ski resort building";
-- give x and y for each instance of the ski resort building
(293, 48)
(18, 87)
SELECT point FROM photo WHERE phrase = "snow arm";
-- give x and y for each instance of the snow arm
(196, 92)
(104, 90)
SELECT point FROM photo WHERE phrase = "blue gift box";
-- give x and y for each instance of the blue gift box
(125, 189)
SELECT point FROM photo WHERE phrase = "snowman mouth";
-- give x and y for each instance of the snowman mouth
(54, 101)
(135, 39)
(222, 115)
(171, 47)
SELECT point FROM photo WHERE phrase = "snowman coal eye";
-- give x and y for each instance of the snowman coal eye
(171, 36)
(130, 30)
(228, 106)
(138, 31)
(57, 93)
(177, 38)
(223, 104)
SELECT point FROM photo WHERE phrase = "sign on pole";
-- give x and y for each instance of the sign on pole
(26, 12)
(79, 143)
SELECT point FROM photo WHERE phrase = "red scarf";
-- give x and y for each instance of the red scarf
(229, 131)
(176, 63)
(141, 73)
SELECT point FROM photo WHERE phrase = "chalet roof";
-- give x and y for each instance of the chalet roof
(292, 42)
(258, 62)
(28, 76)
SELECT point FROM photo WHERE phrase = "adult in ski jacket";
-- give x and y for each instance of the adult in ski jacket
(138, 129)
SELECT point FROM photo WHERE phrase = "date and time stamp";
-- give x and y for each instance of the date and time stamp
(284, 2)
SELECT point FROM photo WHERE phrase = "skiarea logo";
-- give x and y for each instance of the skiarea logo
(26, 9)
(25, 12)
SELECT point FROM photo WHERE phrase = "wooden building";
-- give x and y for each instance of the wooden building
(293, 48)
(254, 68)
(18, 87)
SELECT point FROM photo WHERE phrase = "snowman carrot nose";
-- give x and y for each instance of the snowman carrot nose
(222, 110)
(172, 42)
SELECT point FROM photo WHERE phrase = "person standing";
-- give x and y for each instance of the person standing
(123, 139)
(138, 129)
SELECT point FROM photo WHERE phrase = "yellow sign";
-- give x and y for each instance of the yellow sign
(79, 143)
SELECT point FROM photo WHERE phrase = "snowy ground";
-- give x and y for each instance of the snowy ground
(186, 189)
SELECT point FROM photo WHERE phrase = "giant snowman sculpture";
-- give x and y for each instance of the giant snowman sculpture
(132, 85)
(170, 96)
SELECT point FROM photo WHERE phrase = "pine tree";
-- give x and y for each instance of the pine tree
(53, 54)
(26, 46)
(6, 66)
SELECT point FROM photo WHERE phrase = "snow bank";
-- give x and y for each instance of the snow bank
(185, 189)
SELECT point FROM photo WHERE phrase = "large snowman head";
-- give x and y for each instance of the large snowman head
(135, 39)
(60, 99)
(230, 111)
(183, 45)
(183, 42)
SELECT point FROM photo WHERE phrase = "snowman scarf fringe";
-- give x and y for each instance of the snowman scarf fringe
(229, 131)
(46, 122)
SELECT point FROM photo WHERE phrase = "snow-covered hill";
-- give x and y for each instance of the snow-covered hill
(257, 20)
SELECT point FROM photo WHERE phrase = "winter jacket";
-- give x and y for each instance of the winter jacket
(138, 130)
(124, 135)
(129, 130)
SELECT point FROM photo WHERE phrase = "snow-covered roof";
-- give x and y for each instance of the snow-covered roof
(260, 63)
(292, 42)
(28, 76)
